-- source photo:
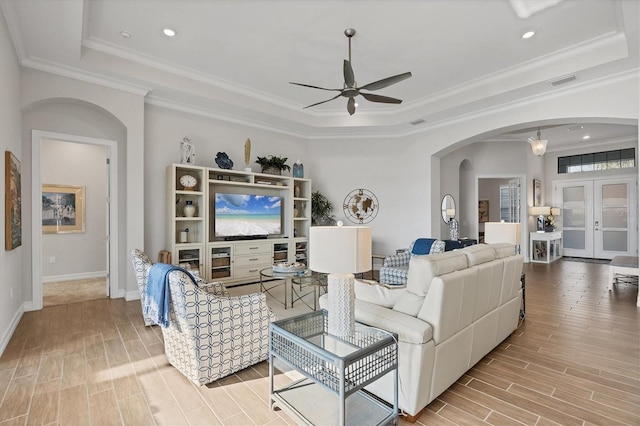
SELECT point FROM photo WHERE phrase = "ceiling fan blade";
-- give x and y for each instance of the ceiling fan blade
(351, 106)
(386, 82)
(318, 103)
(378, 98)
(315, 87)
(349, 79)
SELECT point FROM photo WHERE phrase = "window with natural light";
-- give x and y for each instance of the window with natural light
(616, 159)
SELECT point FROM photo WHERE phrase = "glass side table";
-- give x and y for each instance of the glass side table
(284, 278)
(336, 370)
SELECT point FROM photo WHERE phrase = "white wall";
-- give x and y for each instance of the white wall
(11, 283)
(77, 255)
(165, 129)
(63, 105)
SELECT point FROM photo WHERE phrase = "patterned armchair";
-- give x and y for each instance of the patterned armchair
(209, 336)
(142, 265)
(395, 268)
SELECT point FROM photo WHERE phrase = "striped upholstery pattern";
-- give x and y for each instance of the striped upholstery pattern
(210, 337)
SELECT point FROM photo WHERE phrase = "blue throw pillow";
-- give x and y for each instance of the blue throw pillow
(422, 246)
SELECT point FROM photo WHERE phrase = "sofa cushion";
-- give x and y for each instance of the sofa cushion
(422, 269)
(503, 250)
(409, 329)
(380, 294)
(479, 253)
(409, 303)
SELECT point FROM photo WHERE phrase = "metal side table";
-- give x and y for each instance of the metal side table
(335, 369)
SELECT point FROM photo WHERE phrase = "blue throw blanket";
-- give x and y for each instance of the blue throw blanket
(422, 246)
(156, 305)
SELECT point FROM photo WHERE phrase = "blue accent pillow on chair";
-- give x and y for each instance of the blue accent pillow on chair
(422, 245)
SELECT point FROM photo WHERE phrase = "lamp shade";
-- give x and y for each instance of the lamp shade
(555, 211)
(502, 232)
(340, 249)
(539, 211)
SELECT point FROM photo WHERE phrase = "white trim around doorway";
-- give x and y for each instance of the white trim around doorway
(37, 136)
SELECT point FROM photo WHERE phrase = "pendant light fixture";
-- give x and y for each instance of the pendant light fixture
(538, 146)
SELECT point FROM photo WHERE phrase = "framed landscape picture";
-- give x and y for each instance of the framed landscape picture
(62, 209)
(12, 202)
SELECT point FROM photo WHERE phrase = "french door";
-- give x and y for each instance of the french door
(597, 217)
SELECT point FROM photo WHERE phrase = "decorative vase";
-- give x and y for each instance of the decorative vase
(298, 169)
(189, 209)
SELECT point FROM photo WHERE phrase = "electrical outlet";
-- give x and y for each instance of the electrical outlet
(52, 259)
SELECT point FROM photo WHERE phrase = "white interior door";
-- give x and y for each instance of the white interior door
(597, 219)
(576, 199)
(613, 233)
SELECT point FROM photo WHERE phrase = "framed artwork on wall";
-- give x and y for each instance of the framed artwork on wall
(537, 192)
(62, 209)
(12, 202)
(483, 211)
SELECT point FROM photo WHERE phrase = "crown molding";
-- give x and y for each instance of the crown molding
(86, 76)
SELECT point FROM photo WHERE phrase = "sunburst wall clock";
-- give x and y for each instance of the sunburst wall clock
(360, 206)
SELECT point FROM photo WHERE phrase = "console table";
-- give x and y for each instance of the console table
(336, 370)
(545, 247)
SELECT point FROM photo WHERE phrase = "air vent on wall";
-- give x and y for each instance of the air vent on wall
(562, 79)
(416, 122)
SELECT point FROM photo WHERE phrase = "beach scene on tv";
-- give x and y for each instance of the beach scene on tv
(245, 215)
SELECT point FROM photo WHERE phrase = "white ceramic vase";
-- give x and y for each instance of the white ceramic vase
(189, 209)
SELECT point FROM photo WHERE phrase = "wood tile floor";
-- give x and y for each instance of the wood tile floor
(575, 360)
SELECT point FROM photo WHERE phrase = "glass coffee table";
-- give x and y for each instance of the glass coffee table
(316, 280)
(268, 274)
(335, 368)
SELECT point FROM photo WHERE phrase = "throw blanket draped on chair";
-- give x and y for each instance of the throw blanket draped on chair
(157, 301)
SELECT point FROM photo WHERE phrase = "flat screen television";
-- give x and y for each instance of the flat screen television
(247, 215)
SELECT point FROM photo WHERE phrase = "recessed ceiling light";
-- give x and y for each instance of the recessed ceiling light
(528, 34)
(169, 32)
(586, 137)
(125, 34)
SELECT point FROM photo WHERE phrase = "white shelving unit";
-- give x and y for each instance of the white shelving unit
(234, 262)
(545, 247)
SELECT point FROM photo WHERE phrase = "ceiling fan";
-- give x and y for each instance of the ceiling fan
(351, 89)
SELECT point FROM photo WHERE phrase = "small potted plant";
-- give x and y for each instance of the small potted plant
(273, 165)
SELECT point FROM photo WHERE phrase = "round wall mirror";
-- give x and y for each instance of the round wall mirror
(448, 208)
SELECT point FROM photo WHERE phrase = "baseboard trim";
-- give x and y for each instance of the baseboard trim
(12, 328)
(71, 277)
(132, 295)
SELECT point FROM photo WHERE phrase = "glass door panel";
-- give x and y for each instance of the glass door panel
(576, 218)
(612, 209)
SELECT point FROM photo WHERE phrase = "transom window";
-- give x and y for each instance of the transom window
(616, 159)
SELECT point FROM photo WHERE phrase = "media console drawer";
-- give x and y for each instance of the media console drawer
(259, 259)
(242, 249)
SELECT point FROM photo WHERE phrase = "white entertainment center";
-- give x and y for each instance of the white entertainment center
(233, 259)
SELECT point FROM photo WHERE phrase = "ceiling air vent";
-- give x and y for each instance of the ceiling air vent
(416, 122)
(561, 80)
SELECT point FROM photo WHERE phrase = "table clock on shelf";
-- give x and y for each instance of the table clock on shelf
(188, 182)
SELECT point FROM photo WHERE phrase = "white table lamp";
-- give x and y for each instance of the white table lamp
(503, 232)
(541, 212)
(340, 251)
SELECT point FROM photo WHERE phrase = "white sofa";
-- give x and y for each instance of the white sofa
(456, 307)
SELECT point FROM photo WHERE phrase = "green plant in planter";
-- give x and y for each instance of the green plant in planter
(321, 209)
(273, 164)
